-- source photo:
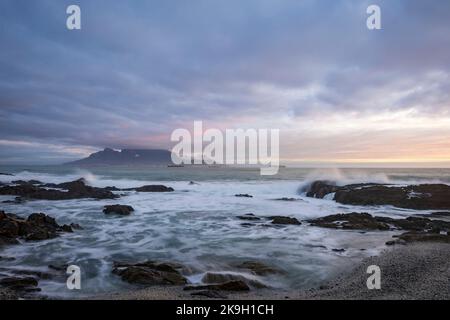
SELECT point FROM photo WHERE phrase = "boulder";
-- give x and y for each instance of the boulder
(284, 220)
(243, 195)
(38, 226)
(150, 273)
(354, 220)
(151, 188)
(217, 278)
(248, 216)
(118, 209)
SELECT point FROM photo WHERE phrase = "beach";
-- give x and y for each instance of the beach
(408, 272)
(193, 233)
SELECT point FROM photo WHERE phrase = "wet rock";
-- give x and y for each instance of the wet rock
(424, 237)
(6, 174)
(75, 190)
(248, 216)
(354, 220)
(213, 294)
(17, 200)
(7, 258)
(284, 220)
(217, 278)
(338, 250)
(38, 226)
(192, 183)
(235, 285)
(418, 197)
(76, 226)
(113, 188)
(243, 195)
(287, 199)
(257, 268)
(151, 188)
(440, 214)
(150, 273)
(29, 182)
(118, 209)
(19, 283)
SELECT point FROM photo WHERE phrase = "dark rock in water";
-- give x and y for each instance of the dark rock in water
(354, 220)
(257, 268)
(118, 209)
(338, 250)
(191, 183)
(113, 188)
(243, 195)
(58, 267)
(75, 190)
(6, 174)
(248, 216)
(151, 188)
(7, 258)
(213, 294)
(436, 214)
(150, 273)
(424, 237)
(320, 189)
(37, 226)
(287, 199)
(19, 283)
(364, 221)
(235, 285)
(217, 278)
(284, 220)
(76, 226)
(21, 182)
(17, 200)
(418, 197)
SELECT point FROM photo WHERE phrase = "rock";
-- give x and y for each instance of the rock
(6, 174)
(30, 182)
(257, 268)
(354, 220)
(38, 226)
(7, 258)
(217, 278)
(287, 199)
(118, 209)
(19, 283)
(284, 220)
(318, 189)
(418, 197)
(235, 285)
(413, 236)
(213, 294)
(192, 183)
(76, 226)
(243, 195)
(150, 273)
(113, 188)
(17, 200)
(75, 190)
(248, 216)
(151, 188)
(338, 250)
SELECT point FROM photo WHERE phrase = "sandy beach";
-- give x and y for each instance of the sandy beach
(413, 271)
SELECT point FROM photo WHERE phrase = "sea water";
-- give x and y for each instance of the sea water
(197, 224)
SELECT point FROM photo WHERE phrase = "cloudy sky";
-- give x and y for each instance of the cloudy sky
(338, 92)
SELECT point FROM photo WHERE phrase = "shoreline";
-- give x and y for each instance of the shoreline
(408, 272)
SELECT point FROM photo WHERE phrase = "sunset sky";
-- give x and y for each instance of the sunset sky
(338, 92)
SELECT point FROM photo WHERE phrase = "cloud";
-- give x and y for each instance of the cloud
(136, 71)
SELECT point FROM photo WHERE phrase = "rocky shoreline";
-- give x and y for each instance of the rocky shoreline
(246, 279)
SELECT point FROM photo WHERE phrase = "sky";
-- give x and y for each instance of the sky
(137, 70)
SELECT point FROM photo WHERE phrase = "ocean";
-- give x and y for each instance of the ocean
(197, 224)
